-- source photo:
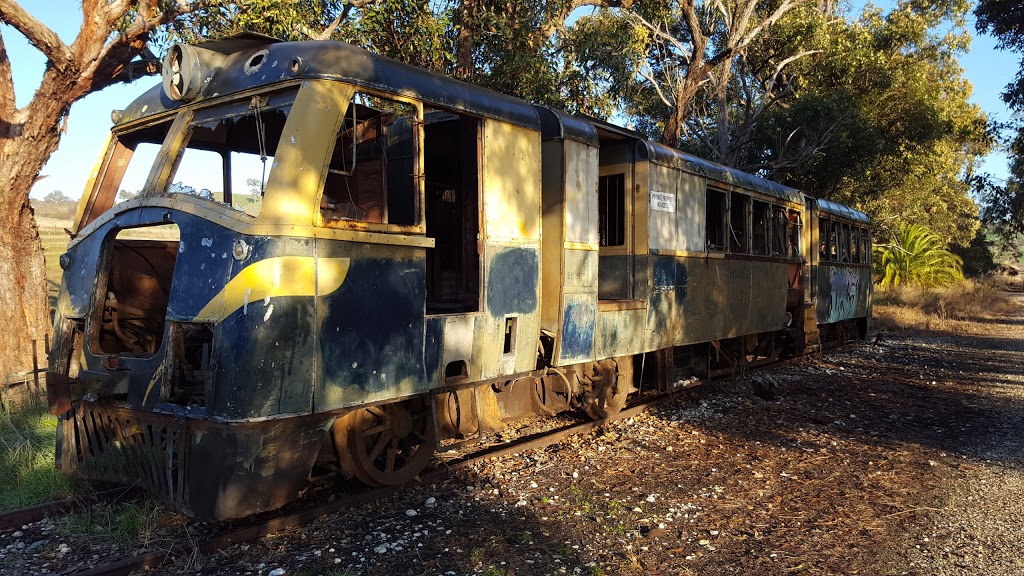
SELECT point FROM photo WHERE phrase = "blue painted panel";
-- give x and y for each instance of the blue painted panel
(578, 322)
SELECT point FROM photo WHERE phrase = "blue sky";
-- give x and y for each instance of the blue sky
(988, 69)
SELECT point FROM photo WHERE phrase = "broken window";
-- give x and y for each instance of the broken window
(229, 151)
(611, 198)
(865, 249)
(761, 226)
(739, 241)
(372, 173)
(451, 171)
(135, 290)
(715, 217)
(126, 166)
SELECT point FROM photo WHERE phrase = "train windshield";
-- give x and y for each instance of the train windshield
(226, 156)
(229, 150)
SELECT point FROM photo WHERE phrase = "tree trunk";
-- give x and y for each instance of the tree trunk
(27, 139)
(469, 12)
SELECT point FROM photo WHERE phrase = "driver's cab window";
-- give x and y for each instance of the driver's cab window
(372, 172)
(229, 151)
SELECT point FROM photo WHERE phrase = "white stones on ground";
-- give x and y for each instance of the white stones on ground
(63, 548)
(18, 534)
(381, 549)
(651, 498)
(410, 512)
(431, 502)
(276, 572)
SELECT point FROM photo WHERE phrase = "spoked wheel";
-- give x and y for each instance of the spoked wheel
(611, 382)
(386, 445)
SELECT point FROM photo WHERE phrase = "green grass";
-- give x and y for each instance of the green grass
(122, 522)
(27, 473)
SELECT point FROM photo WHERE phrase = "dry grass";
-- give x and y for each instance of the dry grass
(956, 308)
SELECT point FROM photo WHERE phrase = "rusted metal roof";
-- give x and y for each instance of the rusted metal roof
(837, 209)
(286, 61)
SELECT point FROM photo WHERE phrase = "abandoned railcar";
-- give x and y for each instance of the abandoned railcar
(841, 270)
(335, 257)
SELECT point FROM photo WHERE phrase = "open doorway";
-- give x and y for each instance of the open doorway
(452, 171)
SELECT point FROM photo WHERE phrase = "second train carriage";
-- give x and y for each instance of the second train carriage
(337, 256)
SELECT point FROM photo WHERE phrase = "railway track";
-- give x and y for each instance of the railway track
(16, 518)
(275, 522)
(278, 522)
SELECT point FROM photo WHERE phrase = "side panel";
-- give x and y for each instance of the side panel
(844, 292)
(371, 329)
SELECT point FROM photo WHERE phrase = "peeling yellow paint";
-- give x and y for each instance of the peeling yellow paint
(281, 276)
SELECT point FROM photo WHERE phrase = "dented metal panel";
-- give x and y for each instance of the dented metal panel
(459, 333)
(578, 317)
(210, 470)
(371, 329)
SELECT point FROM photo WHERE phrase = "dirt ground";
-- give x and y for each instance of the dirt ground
(897, 457)
(901, 456)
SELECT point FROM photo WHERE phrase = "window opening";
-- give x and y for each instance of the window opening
(823, 239)
(611, 198)
(135, 290)
(126, 168)
(452, 174)
(371, 176)
(739, 241)
(761, 227)
(842, 232)
(833, 241)
(778, 232)
(229, 151)
(865, 250)
(793, 226)
(715, 218)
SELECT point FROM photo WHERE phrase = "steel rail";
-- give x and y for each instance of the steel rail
(18, 518)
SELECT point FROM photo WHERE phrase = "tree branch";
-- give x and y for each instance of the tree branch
(7, 103)
(326, 33)
(44, 39)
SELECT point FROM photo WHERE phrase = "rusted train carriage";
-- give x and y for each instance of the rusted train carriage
(335, 256)
(841, 270)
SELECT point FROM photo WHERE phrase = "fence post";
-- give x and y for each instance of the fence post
(35, 366)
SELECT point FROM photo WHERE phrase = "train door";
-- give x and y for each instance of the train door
(452, 182)
(452, 160)
(616, 260)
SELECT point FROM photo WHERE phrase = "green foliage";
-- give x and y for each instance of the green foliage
(902, 137)
(916, 257)
(979, 256)
(27, 471)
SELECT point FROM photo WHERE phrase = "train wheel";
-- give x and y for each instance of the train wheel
(387, 445)
(611, 382)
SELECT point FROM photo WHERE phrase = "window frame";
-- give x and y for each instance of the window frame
(723, 224)
(418, 227)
